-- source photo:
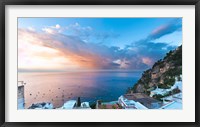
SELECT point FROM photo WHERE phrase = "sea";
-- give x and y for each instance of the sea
(90, 86)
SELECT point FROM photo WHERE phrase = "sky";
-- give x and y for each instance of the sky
(63, 44)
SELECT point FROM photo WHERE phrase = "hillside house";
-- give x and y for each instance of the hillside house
(138, 101)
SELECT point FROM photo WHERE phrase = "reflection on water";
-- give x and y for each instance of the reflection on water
(58, 87)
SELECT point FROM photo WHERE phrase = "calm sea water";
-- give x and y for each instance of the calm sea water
(58, 87)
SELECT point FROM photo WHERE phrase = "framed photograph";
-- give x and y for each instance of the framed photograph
(100, 63)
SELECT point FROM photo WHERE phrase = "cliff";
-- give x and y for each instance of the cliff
(162, 74)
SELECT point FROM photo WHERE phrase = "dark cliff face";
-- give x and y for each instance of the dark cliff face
(162, 74)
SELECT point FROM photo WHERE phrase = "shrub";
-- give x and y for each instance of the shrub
(158, 97)
(176, 90)
(169, 81)
(93, 105)
(163, 86)
(113, 107)
(103, 106)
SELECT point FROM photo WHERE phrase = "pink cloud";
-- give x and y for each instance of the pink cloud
(147, 60)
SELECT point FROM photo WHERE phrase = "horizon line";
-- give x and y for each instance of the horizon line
(102, 70)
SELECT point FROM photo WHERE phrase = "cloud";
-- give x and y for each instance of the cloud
(86, 33)
(147, 61)
(49, 30)
(163, 30)
(166, 29)
(150, 46)
(77, 29)
(33, 54)
(105, 35)
(51, 49)
(31, 28)
(57, 26)
(41, 47)
(53, 29)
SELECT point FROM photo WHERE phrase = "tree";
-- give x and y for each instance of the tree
(113, 106)
(103, 106)
(93, 105)
(79, 102)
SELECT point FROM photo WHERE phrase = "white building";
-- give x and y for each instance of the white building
(20, 95)
(43, 105)
(172, 105)
(71, 104)
(138, 101)
(85, 105)
(130, 104)
(159, 91)
(177, 84)
(172, 102)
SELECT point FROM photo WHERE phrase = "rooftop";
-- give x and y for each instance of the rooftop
(138, 96)
(85, 105)
(109, 106)
(21, 83)
(69, 104)
(142, 99)
(172, 105)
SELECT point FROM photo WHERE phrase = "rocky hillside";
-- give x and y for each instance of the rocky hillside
(162, 74)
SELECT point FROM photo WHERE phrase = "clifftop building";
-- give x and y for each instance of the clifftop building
(138, 101)
(20, 95)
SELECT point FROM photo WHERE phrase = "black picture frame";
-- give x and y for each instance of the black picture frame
(99, 2)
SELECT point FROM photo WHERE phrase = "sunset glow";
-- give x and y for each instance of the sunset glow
(94, 44)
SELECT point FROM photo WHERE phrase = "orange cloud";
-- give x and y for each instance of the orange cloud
(42, 51)
(33, 54)
(55, 51)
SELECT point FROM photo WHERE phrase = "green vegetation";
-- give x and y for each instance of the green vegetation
(176, 57)
(113, 106)
(171, 66)
(168, 55)
(129, 89)
(162, 86)
(120, 107)
(174, 72)
(147, 93)
(175, 91)
(169, 82)
(162, 64)
(158, 97)
(93, 105)
(157, 63)
(103, 106)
